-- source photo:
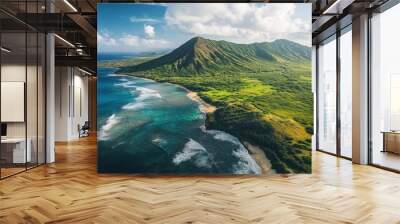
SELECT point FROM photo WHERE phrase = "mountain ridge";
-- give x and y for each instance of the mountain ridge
(199, 55)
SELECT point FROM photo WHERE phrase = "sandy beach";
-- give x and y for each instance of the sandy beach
(259, 156)
(204, 107)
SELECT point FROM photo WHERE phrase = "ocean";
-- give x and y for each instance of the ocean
(114, 56)
(150, 127)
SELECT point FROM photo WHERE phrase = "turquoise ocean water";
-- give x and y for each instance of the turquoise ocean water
(150, 127)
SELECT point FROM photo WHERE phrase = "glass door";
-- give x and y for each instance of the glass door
(22, 77)
(14, 153)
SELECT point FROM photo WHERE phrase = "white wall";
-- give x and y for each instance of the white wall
(71, 102)
(12, 73)
(62, 81)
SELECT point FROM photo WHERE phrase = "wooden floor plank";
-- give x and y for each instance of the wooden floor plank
(71, 191)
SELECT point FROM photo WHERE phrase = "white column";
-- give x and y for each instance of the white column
(360, 90)
(50, 99)
(63, 76)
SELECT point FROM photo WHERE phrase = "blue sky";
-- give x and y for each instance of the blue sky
(131, 27)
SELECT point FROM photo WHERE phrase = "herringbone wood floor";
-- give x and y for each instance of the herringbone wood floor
(70, 191)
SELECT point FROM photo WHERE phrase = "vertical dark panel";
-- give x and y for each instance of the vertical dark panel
(45, 93)
(26, 86)
(73, 91)
(317, 97)
(369, 96)
(338, 73)
(37, 89)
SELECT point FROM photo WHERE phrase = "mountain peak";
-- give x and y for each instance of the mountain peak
(198, 38)
(200, 42)
(286, 42)
(199, 55)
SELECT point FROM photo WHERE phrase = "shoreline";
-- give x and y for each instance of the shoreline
(204, 106)
(261, 159)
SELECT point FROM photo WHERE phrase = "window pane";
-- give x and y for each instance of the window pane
(13, 86)
(386, 89)
(346, 94)
(327, 96)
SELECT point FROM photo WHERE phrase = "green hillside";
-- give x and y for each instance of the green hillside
(262, 91)
(124, 62)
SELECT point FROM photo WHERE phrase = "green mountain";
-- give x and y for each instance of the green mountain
(199, 55)
(262, 92)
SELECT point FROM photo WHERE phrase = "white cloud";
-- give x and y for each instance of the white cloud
(130, 40)
(149, 31)
(242, 23)
(130, 43)
(134, 19)
(105, 39)
(143, 43)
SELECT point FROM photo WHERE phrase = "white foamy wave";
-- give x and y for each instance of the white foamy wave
(112, 75)
(143, 94)
(246, 163)
(134, 106)
(146, 93)
(159, 141)
(193, 150)
(222, 136)
(126, 84)
(105, 129)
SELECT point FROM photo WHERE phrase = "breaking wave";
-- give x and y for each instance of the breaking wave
(105, 129)
(126, 84)
(142, 92)
(134, 106)
(246, 163)
(193, 151)
(146, 93)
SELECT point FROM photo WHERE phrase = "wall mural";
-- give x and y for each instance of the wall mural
(204, 88)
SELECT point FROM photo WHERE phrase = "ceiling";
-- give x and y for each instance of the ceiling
(331, 15)
(75, 22)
